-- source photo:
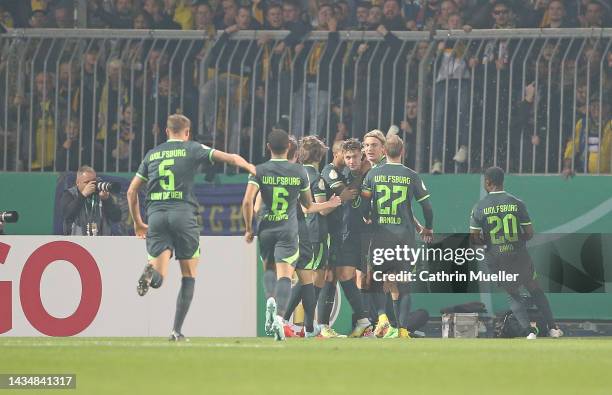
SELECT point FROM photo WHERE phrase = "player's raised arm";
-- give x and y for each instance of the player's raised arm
(322, 199)
(234, 160)
(345, 192)
(310, 207)
(140, 228)
(247, 208)
(320, 196)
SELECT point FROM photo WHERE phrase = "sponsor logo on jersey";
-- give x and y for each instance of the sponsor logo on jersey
(321, 184)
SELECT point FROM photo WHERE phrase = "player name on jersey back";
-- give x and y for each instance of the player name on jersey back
(166, 195)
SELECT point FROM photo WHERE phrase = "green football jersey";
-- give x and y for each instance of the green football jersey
(169, 171)
(317, 223)
(500, 217)
(353, 212)
(280, 184)
(393, 187)
(332, 178)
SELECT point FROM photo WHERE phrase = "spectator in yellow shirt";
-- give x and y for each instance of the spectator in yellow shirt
(181, 13)
(40, 5)
(591, 151)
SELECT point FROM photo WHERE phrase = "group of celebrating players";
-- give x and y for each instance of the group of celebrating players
(321, 227)
(362, 200)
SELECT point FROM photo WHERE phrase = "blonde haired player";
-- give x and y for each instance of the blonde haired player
(168, 172)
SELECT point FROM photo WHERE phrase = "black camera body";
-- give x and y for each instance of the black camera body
(9, 216)
(107, 186)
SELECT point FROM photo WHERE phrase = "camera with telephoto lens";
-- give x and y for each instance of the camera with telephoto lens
(107, 186)
(9, 216)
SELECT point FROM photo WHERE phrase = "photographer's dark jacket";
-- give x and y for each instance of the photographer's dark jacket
(78, 211)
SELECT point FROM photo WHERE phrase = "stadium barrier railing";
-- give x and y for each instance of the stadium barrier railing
(519, 99)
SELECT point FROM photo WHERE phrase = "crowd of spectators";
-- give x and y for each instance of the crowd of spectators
(109, 107)
(351, 14)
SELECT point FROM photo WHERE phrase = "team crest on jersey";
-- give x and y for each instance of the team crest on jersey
(321, 184)
(332, 174)
(356, 202)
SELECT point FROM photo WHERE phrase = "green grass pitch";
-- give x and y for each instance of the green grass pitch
(354, 366)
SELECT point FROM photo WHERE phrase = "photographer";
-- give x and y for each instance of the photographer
(88, 211)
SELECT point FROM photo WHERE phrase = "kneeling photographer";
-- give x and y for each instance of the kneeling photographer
(88, 207)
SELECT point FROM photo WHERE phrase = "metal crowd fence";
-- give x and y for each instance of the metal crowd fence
(528, 100)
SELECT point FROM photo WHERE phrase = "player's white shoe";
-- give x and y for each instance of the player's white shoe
(309, 335)
(533, 332)
(278, 328)
(315, 332)
(270, 315)
(555, 333)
